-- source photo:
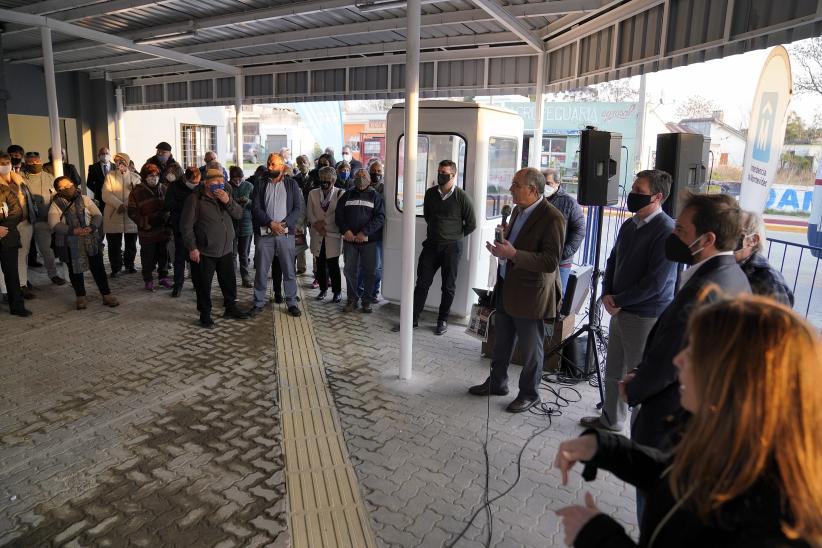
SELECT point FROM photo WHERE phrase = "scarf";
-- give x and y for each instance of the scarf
(80, 248)
(326, 201)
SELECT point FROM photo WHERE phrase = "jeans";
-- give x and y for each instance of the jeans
(360, 257)
(328, 267)
(98, 271)
(224, 267)
(564, 273)
(116, 257)
(445, 256)
(266, 248)
(154, 255)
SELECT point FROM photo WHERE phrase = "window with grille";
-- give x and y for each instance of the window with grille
(196, 141)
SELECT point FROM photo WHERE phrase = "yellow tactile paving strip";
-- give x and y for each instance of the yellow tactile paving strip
(324, 504)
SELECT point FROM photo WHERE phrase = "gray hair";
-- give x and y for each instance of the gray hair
(329, 172)
(533, 178)
(752, 223)
(552, 173)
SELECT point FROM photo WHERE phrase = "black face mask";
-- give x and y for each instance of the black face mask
(35, 168)
(636, 201)
(443, 178)
(376, 178)
(740, 243)
(274, 174)
(16, 161)
(678, 251)
(325, 185)
(68, 194)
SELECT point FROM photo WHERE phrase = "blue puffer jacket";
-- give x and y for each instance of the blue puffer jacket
(361, 211)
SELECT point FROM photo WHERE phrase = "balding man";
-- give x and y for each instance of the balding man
(276, 207)
(210, 159)
(97, 173)
(527, 291)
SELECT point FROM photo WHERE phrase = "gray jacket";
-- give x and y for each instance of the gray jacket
(208, 226)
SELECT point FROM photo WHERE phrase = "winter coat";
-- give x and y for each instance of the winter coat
(208, 225)
(750, 520)
(176, 196)
(242, 195)
(116, 191)
(294, 206)
(361, 211)
(170, 167)
(766, 280)
(146, 207)
(314, 213)
(41, 186)
(575, 222)
(10, 215)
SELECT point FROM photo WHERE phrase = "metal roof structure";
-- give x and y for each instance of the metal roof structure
(355, 49)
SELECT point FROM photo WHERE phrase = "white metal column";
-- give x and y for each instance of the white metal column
(539, 97)
(51, 98)
(238, 117)
(119, 123)
(409, 186)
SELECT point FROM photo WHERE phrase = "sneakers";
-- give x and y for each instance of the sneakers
(247, 283)
(442, 327)
(110, 300)
(337, 298)
(150, 285)
(27, 293)
(366, 307)
(598, 424)
(165, 282)
(81, 303)
(57, 280)
(350, 306)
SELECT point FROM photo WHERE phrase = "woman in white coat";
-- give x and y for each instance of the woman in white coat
(116, 223)
(326, 241)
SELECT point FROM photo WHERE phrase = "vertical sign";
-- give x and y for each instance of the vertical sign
(766, 132)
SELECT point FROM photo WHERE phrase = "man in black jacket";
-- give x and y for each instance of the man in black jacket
(574, 222)
(68, 169)
(176, 196)
(207, 226)
(97, 173)
(705, 236)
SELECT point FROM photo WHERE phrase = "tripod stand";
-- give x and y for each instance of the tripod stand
(592, 327)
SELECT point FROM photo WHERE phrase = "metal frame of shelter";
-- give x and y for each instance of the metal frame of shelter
(175, 53)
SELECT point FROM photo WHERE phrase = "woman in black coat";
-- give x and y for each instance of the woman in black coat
(747, 471)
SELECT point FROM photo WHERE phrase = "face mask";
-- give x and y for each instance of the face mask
(322, 164)
(5, 170)
(163, 158)
(152, 180)
(16, 161)
(192, 186)
(376, 178)
(274, 174)
(325, 185)
(549, 191)
(679, 252)
(344, 175)
(443, 178)
(361, 183)
(67, 193)
(303, 168)
(104, 158)
(636, 201)
(171, 177)
(216, 186)
(346, 156)
(35, 168)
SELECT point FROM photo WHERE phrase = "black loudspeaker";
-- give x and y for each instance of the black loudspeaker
(599, 153)
(684, 156)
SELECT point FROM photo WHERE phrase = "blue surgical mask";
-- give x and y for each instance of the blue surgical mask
(344, 175)
(216, 186)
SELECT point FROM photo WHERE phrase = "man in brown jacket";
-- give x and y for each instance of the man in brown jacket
(528, 288)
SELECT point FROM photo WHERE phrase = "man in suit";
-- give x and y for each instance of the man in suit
(705, 236)
(528, 288)
(97, 176)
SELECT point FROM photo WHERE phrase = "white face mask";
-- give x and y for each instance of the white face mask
(171, 177)
(5, 170)
(152, 181)
(346, 156)
(105, 158)
(549, 191)
(192, 186)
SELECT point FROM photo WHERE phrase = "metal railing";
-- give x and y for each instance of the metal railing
(800, 268)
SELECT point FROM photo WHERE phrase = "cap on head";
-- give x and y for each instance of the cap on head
(213, 173)
(122, 156)
(162, 145)
(32, 154)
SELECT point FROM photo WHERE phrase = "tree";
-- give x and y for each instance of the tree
(615, 91)
(808, 57)
(795, 130)
(696, 106)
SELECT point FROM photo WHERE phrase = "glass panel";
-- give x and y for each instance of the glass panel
(431, 150)
(502, 165)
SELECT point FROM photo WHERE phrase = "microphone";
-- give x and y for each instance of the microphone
(506, 212)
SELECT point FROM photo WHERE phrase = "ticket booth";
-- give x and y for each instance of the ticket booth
(485, 143)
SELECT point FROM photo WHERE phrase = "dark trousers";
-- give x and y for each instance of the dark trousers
(8, 263)
(154, 255)
(224, 267)
(243, 251)
(180, 260)
(98, 271)
(360, 257)
(328, 267)
(32, 248)
(377, 276)
(444, 256)
(116, 257)
(529, 335)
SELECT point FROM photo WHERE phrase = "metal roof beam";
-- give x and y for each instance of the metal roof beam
(510, 22)
(566, 22)
(51, 6)
(83, 12)
(102, 37)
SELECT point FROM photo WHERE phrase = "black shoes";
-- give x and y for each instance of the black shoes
(247, 283)
(235, 313)
(337, 298)
(366, 306)
(485, 388)
(22, 312)
(396, 328)
(294, 311)
(131, 270)
(521, 404)
(442, 327)
(57, 280)
(321, 295)
(206, 321)
(255, 310)
(278, 299)
(175, 292)
(27, 292)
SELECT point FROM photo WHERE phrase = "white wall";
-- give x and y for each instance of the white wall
(727, 142)
(145, 128)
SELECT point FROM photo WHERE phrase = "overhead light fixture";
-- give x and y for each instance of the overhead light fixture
(164, 37)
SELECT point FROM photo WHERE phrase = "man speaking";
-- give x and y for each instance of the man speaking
(527, 289)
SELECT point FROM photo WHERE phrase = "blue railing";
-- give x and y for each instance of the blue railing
(800, 268)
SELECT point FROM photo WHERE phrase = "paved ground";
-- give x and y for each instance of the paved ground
(132, 426)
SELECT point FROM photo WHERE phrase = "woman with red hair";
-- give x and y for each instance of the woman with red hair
(146, 207)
